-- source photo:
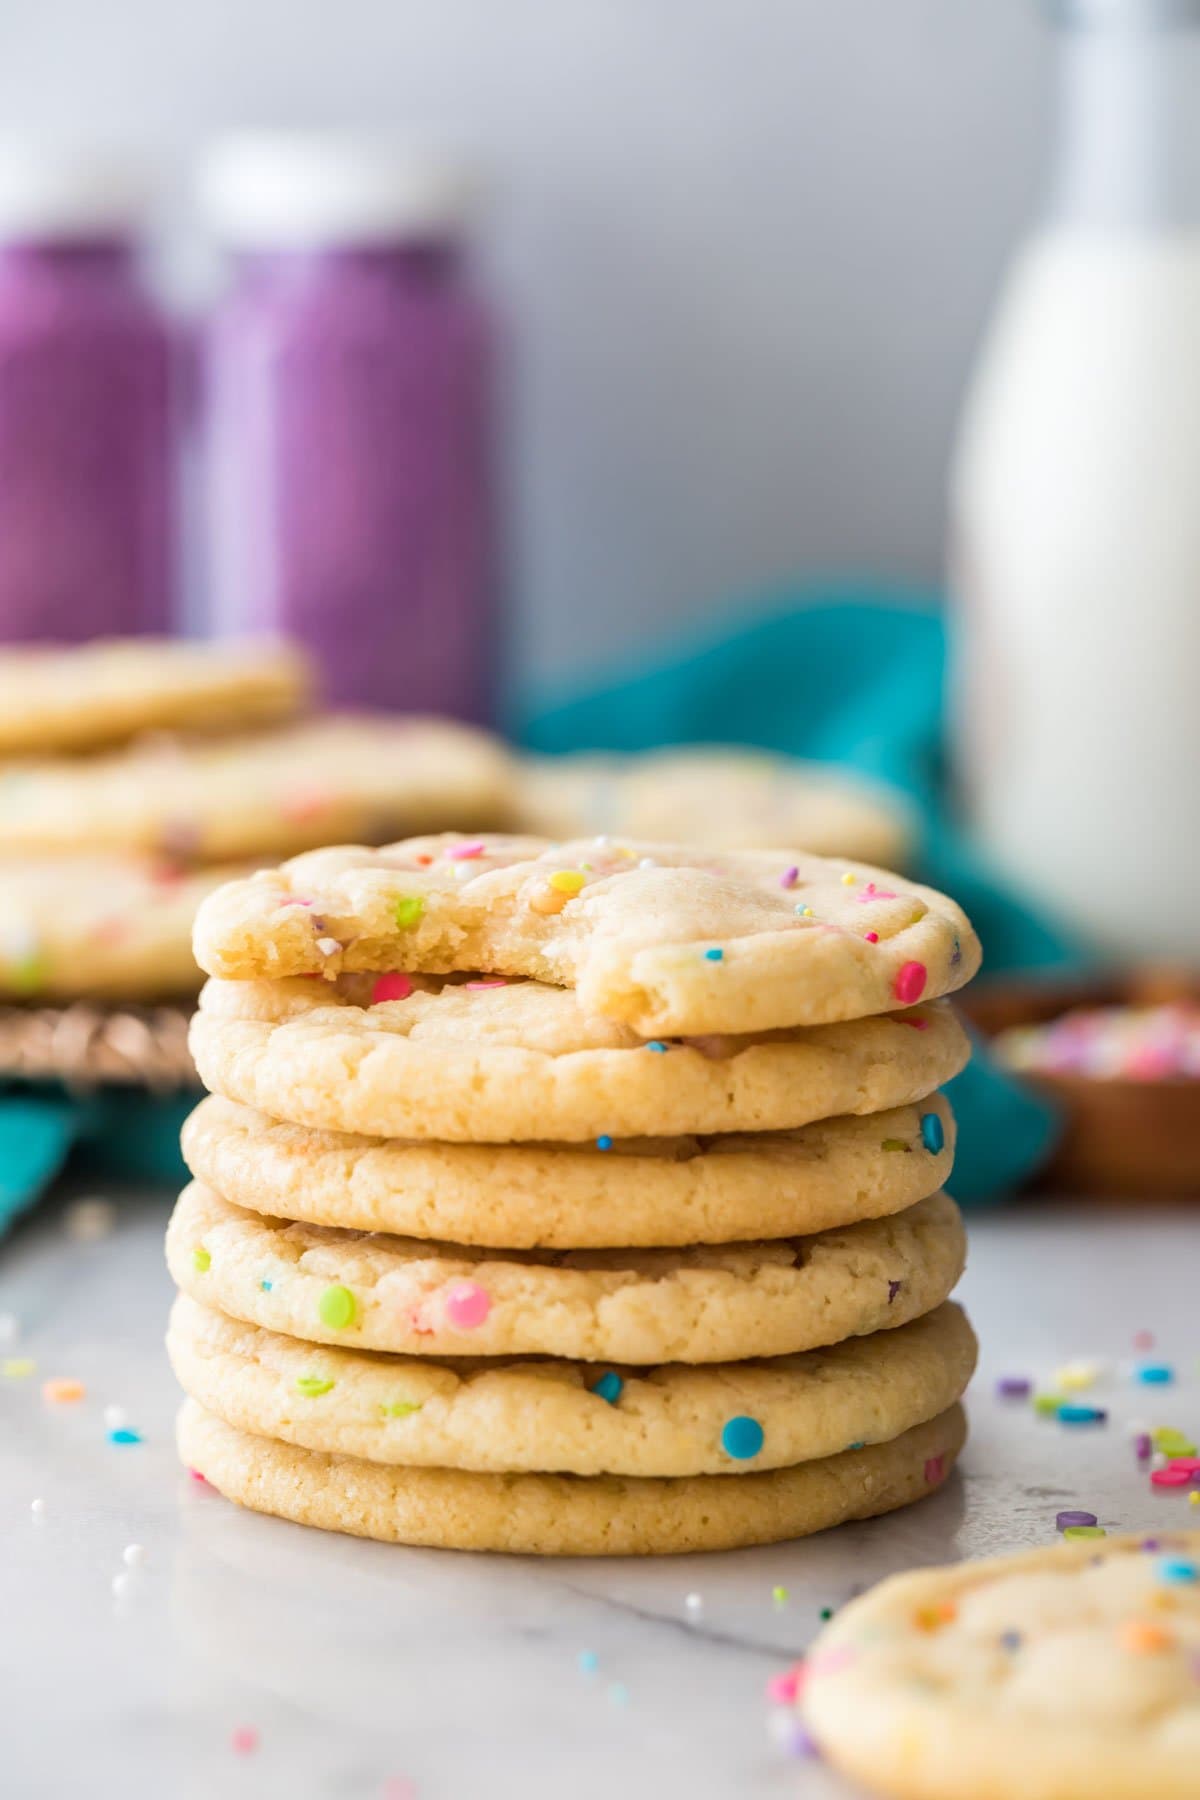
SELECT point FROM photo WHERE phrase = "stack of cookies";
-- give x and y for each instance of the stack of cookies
(138, 775)
(578, 1198)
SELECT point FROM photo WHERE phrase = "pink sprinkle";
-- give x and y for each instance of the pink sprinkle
(1143, 1340)
(197, 1476)
(1171, 1476)
(871, 892)
(399, 1787)
(499, 981)
(244, 1740)
(789, 878)
(917, 1024)
(909, 984)
(935, 1468)
(872, 937)
(395, 986)
(467, 1305)
(464, 852)
(783, 1690)
(293, 901)
(1191, 1464)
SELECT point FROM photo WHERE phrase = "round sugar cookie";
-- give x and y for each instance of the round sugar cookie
(719, 794)
(1060, 1672)
(704, 1303)
(466, 1062)
(667, 940)
(84, 696)
(730, 1418)
(261, 794)
(567, 1515)
(641, 1191)
(102, 927)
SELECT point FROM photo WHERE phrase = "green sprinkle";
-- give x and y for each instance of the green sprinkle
(1172, 1442)
(827, 1612)
(408, 911)
(1085, 1531)
(779, 1595)
(1047, 1405)
(400, 1409)
(313, 1386)
(338, 1308)
(29, 975)
(895, 1144)
(201, 1260)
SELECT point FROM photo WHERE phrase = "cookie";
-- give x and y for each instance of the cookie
(263, 795)
(113, 927)
(712, 1303)
(1061, 1672)
(658, 1191)
(66, 699)
(666, 940)
(566, 1515)
(88, 1045)
(552, 1417)
(720, 794)
(476, 1063)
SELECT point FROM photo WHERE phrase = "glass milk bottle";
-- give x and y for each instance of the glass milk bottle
(1075, 506)
(346, 388)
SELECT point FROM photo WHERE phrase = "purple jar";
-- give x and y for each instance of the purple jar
(347, 435)
(85, 413)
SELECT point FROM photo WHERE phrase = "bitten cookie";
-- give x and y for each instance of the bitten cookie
(666, 940)
(638, 1191)
(565, 1515)
(55, 698)
(719, 794)
(1065, 1673)
(573, 1418)
(319, 780)
(698, 1304)
(478, 1063)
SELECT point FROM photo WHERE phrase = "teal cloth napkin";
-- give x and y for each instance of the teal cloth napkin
(119, 1133)
(842, 676)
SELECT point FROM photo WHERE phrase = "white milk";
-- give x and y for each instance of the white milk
(1075, 517)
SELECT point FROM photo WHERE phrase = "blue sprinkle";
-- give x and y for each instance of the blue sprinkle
(742, 1437)
(1081, 1415)
(1156, 1374)
(124, 1436)
(266, 1285)
(933, 1135)
(655, 1044)
(589, 1662)
(714, 955)
(1177, 1568)
(608, 1387)
(604, 1142)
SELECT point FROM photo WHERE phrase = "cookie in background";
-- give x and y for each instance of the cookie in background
(721, 794)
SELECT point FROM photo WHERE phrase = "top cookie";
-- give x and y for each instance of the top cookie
(1064, 1671)
(262, 795)
(54, 698)
(666, 940)
(721, 795)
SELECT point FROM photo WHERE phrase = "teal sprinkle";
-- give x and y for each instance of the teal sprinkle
(713, 955)
(124, 1436)
(654, 1044)
(609, 1387)
(266, 1285)
(1177, 1568)
(604, 1142)
(589, 1662)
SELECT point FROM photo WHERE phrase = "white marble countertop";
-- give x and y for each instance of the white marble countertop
(397, 1674)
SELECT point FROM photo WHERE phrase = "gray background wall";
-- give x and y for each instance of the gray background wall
(745, 248)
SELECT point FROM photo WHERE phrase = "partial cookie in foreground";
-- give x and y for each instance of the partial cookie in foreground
(113, 927)
(266, 794)
(476, 1062)
(682, 1190)
(55, 698)
(564, 1515)
(1063, 1672)
(667, 940)
(568, 1417)
(719, 794)
(713, 1303)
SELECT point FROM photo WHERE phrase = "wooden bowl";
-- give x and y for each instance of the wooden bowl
(1122, 1138)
